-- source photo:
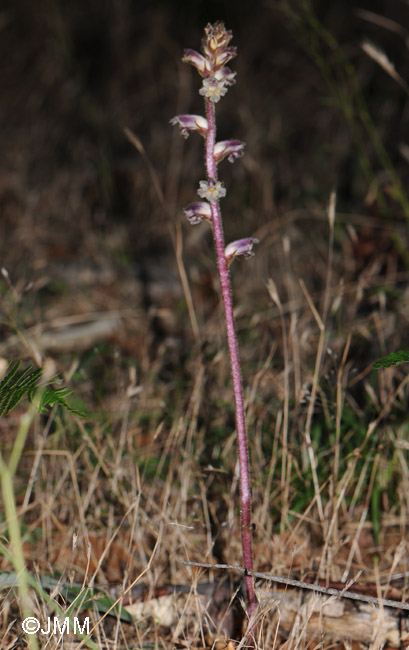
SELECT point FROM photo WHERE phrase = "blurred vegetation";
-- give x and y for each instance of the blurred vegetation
(85, 238)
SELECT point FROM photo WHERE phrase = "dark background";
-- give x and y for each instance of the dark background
(74, 74)
(83, 229)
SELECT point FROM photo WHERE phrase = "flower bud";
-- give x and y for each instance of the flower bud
(197, 211)
(197, 60)
(225, 56)
(230, 149)
(242, 247)
(188, 123)
(216, 39)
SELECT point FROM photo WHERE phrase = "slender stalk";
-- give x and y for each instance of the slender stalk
(245, 489)
(217, 78)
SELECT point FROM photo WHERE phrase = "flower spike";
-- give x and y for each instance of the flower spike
(211, 65)
(216, 80)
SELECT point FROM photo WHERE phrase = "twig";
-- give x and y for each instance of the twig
(290, 582)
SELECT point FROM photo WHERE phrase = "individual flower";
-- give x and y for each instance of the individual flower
(239, 247)
(197, 211)
(211, 191)
(213, 89)
(198, 61)
(188, 123)
(230, 149)
(226, 75)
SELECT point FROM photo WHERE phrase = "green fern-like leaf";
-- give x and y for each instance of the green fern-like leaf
(50, 397)
(392, 359)
(17, 385)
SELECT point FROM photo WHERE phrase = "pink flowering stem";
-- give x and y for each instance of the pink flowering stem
(245, 489)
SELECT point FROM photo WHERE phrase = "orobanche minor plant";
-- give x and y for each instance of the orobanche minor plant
(217, 78)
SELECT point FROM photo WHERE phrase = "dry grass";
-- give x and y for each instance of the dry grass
(101, 289)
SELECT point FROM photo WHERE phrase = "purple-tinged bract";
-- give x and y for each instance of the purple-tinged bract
(188, 123)
(240, 247)
(200, 62)
(197, 211)
(230, 149)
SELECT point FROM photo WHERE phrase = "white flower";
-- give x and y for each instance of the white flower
(211, 191)
(213, 89)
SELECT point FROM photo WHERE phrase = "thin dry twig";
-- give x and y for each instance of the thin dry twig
(290, 582)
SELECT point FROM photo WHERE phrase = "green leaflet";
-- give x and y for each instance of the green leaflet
(17, 385)
(392, 359)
